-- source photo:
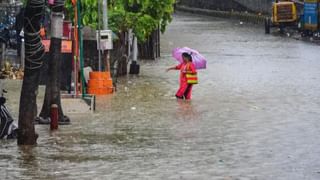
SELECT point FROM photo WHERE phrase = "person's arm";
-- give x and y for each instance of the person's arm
(171, 68)
(174, 67)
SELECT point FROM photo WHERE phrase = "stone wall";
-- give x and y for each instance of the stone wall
(262, 6)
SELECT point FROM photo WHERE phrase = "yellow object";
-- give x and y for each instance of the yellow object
(284, 12)
(192, 78)
(7, 66)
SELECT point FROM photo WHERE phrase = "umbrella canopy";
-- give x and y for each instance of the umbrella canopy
(197, 59)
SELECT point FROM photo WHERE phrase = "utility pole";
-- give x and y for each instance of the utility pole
(105, 14)
(105, 27)
(99, 35)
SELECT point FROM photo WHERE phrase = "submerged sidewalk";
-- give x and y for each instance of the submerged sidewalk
(70, 105)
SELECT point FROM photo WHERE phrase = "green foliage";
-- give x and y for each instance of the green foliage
(143, 16)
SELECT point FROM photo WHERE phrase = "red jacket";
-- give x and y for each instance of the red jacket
(184, 68)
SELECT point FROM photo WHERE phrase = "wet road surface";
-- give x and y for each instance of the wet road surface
(254, 116)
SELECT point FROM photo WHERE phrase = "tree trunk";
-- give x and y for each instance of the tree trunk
(52, 93)
(151, 48)
(119, 59)
(33, 60)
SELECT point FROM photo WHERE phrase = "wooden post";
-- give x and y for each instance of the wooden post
(158, 42)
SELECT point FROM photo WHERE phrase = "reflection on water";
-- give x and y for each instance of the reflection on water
(187, 110)
(28, 162)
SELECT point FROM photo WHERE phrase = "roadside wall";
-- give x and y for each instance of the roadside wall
(242, 16)
(263, 6)
(258, 6)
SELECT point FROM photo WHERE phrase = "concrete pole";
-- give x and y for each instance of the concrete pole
(99, 36)
(105, 27)
(105, 14)
(135, 49)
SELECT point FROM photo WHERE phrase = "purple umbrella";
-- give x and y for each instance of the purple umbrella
(197, 59)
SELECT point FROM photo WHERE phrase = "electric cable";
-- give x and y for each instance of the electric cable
(34, 49)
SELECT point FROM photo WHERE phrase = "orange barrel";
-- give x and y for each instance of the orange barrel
(100, 75)
(100, 91)
(100, 83)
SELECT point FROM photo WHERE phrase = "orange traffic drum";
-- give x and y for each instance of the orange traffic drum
(100, 91)
(100, 83)
(100, 75)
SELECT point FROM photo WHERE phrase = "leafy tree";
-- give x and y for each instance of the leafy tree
(142, 16)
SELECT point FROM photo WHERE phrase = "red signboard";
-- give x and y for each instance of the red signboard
(66, 46)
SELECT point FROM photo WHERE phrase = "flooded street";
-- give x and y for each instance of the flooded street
(254, 115)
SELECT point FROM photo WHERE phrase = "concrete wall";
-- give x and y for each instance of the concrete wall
(257, 5)
(263, 6)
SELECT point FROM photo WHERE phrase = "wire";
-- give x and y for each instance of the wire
(34, 49)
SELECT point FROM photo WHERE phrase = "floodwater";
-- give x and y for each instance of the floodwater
(254, 116)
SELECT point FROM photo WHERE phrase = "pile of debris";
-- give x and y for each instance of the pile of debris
(10, 72)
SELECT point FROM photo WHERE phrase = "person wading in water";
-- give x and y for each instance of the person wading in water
(187, 77)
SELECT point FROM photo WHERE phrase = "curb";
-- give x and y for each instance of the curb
(243, 16)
